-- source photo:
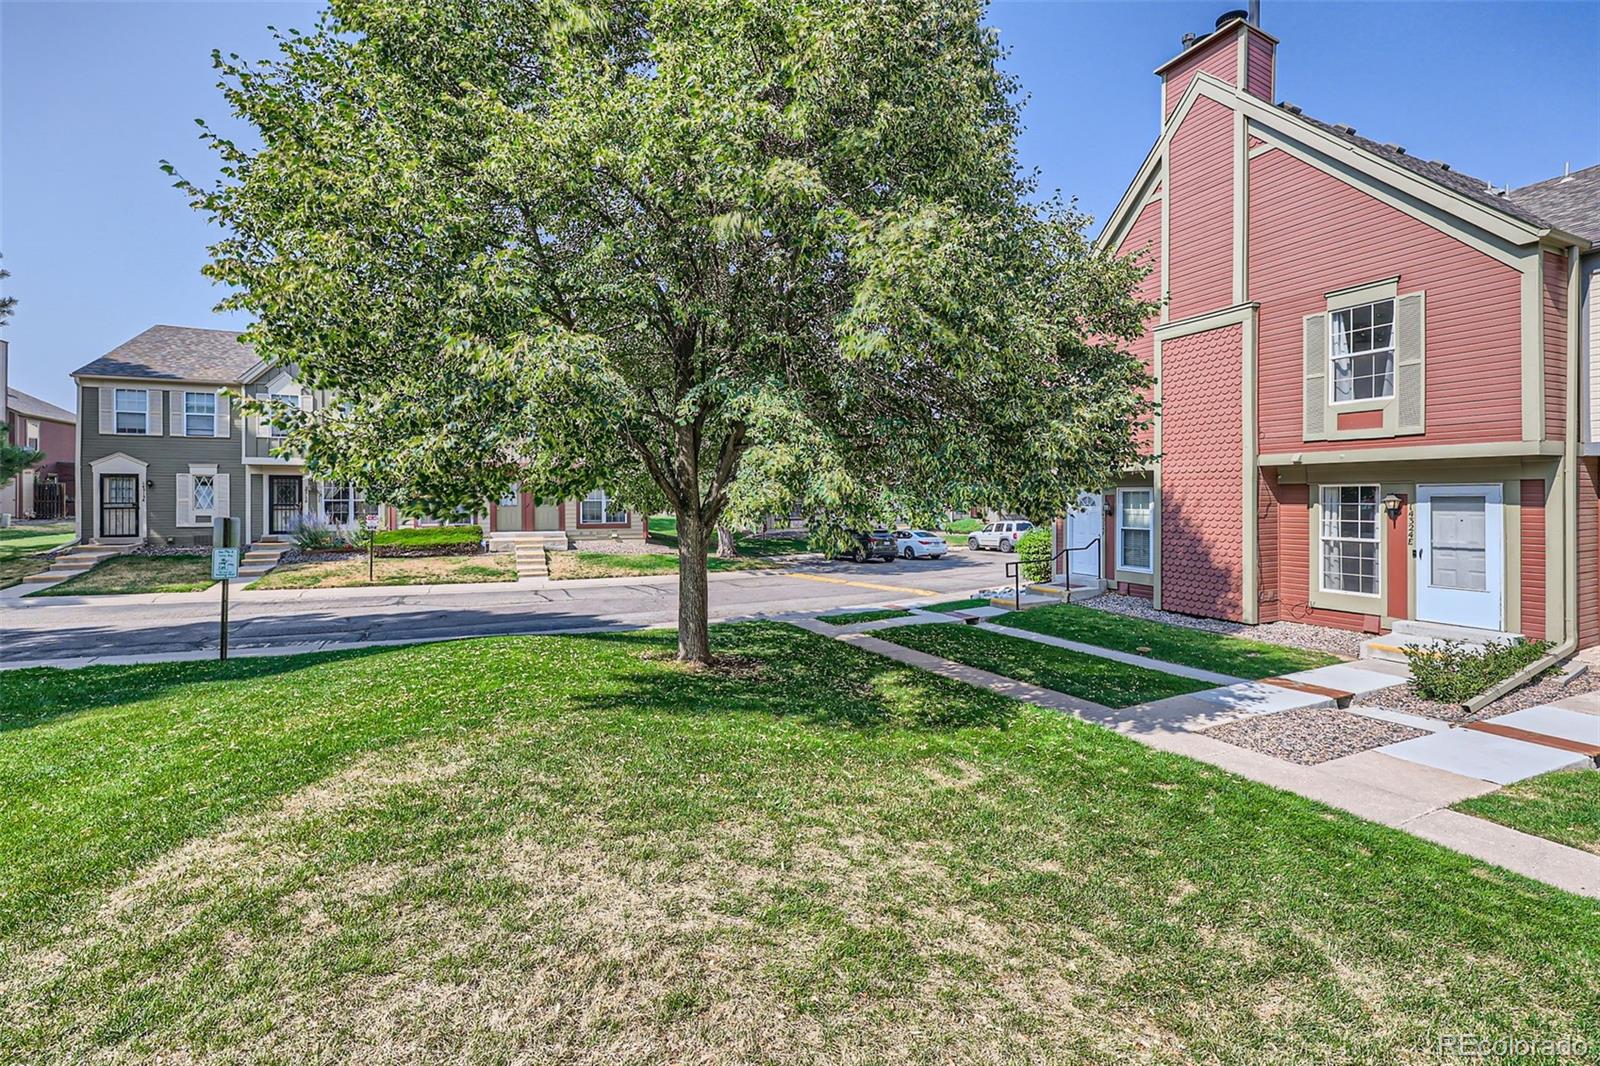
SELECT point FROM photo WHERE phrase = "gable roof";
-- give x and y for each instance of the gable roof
(1571, 202)
(1440, 173)
(32, 407)
(177, 353)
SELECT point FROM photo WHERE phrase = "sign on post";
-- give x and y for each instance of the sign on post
(224, 563)
(371, 522)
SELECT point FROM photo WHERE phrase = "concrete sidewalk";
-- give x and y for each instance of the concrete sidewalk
(1396, 792)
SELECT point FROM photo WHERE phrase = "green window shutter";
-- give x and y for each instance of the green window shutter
(1409, 346)
(1316, 378)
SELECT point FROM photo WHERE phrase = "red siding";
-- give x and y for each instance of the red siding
(1267, 513)
(1360, 419)
(1217, 56)
(1202, 527)
(1398, 549)
(1258, 74)
(1144, 236)
(1533, 558)
(1200, 211)
(1555, 344)
(1311, 233)
(1588, 553)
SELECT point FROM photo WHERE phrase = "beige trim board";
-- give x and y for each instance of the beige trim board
(1364, 293)
(1407, 453)
(1208, 321)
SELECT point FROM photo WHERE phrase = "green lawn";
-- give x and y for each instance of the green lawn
(1174, 644)
(664, 530)
(579, 564)
(962, 526)
(21, 549)
(1563, 806)
(850, 618)
(122, 574)
(958, 605)
(1088, 677)
(570, 848)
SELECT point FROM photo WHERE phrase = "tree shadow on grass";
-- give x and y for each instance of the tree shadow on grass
(770, 668)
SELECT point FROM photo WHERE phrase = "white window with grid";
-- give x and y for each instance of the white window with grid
(1361, 352)
(342, 504)
(1350, 539)
(1135, 529)
(132, 410)
(287, 399)
(596, 509)
(199, 414)
(204, 494)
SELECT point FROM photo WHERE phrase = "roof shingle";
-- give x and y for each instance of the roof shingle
(1571, 203)
(177, 353)
(27, 404)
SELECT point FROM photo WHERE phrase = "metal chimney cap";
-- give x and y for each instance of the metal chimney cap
(1228, 16)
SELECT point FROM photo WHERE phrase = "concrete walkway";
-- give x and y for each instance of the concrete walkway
(1379, 787)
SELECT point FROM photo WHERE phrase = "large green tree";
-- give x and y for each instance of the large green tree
(713, 255)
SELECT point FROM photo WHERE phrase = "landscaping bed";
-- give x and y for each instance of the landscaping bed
(1337, 642)
(573, 848)
(387, 570)
(1563, 806)
(1547, 689)
(180, 570)
(1190, 646)
(1089, 677)
(1311, 735)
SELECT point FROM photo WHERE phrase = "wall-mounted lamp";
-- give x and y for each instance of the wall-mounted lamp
(150, 484)
(1391, 506)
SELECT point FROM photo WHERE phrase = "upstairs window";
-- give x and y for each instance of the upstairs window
(1361, 352)
(598, 510)
(199, 414)
(287, 399)
(132, 411)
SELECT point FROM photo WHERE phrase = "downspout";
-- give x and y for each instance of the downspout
(1569, 467)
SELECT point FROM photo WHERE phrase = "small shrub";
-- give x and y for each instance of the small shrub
(315, 535)
(1034, 552)
(962, 526)
(1450, 671)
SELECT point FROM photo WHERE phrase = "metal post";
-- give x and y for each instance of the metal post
(224, 534)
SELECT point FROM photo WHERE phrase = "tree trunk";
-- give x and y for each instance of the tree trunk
(694, 637)
(725, 546)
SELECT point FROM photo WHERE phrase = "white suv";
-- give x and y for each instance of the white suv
(1000, 536)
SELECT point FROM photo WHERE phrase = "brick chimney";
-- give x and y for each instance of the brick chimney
(1237, 52)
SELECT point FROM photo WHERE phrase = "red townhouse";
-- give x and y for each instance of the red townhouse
(1364, 360)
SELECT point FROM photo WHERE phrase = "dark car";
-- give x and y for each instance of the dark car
(878, 544)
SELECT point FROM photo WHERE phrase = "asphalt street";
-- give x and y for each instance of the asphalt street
(74, 628)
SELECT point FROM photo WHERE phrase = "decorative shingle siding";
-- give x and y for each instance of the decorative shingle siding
(1202, 527)
(1217, 56)
(1555, 344)
(1311, 233)
(1533, 558)
(1144, 238)
(1200, 215)
(1258, 72)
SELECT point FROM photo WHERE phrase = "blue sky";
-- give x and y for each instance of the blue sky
(92, 95)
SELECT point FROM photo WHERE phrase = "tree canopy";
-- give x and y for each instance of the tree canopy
(721, 256)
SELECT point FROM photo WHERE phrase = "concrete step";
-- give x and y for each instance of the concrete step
(1391, 646)
(1441, 631)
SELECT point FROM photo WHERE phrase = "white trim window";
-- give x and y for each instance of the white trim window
(596, 509)
(1135, 529)
(1350, 549)
(203, 494)
(1361, 352)
(199, 414)
(287, 399)
(132, 411)
(342, 504)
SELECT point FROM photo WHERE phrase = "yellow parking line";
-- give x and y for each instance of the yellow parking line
(863, 584)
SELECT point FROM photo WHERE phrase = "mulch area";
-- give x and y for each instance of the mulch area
(1340, 642)
(1312, 735)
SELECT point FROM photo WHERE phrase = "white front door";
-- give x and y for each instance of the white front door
(1460, 555)
(1083, 526)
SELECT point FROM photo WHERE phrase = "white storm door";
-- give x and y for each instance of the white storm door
(1083, 526)
(1461, 555)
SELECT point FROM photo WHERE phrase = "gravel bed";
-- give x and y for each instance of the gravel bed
(1540, 692)
(164, 552)
(621, 547)
(1311, 735)
(1290, 634)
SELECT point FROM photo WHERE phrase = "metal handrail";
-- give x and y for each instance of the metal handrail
(1014, 571)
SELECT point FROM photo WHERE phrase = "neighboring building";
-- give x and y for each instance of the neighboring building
(46, 489)
(1362, 361)
(166, 447)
